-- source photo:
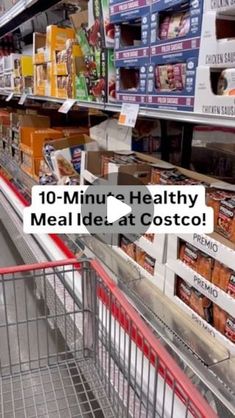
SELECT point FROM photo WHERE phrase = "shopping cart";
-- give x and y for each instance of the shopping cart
(71, 345)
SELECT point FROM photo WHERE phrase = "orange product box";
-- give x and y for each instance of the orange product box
(36, 140)
(65, 60)
(56, 38)
(44, 80)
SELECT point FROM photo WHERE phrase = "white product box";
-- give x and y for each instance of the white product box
(221, 5)
(170, 293)
(216, 52)
(212, 292)
(158, 278)
(9, 62)
(206, 101)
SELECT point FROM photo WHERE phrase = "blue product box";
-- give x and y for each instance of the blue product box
(131, 83)
(172, 86)
(177, 29)
(122, 11)
(132, 41)
(159, 5)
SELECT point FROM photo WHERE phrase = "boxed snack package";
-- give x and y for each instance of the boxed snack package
(132, 41)
(95, 77)
(56, 38)
(226, 219)
(230, 329)
(201, 305)
(44, 80)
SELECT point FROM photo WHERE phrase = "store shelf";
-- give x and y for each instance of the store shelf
(165, 114)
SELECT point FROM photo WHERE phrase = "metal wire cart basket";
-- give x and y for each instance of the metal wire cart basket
(71, 345)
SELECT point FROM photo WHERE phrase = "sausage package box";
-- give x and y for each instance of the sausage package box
(63, 156)
(217, 47)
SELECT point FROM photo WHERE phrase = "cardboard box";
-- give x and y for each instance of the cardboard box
(206, 99)
(33, 145)
(131, 83)
(176, 99)
(217, 40)
(132, 41)
(176, 47)
(170, 292)
(121, 11)
(39, 48)
(56, 38)
(98, 12)
(12, 64)
(158, 276)
(63, 156)
(44, 80)
(26, 66)
(219, 5)
(212, 292)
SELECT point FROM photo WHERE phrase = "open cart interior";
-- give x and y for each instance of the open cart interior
(66, 69)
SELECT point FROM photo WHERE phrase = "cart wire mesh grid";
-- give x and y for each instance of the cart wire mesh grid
(71, 345)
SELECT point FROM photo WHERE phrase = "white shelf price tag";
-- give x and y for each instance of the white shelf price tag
(67, 105)
(128, 114)
(9, 97)
(22, 99)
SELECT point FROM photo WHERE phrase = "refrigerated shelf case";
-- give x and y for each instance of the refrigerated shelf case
(206, 363)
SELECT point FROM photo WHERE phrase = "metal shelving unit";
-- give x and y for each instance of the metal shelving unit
(164, 114)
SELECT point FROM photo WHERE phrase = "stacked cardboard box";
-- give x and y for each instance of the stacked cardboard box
(215, 87)
(95, 71)
(16, 73)
(46, 50)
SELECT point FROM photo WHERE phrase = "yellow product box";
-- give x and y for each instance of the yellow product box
(39, 48)
(65, 87)
(44, 80)
(56, 38)
(65, 60)
(26, 65)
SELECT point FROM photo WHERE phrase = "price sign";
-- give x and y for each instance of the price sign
(128, 115)
(67, 105)
(9, 97)
(22, 99)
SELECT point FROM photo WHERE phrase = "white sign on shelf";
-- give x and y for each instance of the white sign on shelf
(9, 97)
(128, 114)
(67, 105)
(23, 99)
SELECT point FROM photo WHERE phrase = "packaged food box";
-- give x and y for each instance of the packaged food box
(128, 247)
(226, 219)
(56, 38)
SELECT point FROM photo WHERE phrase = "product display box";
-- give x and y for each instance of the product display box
(63, 156)
(219, 5)
(217, 40)
(95, 77)
(176, 30)
(132, 41)
(131, 83)
(172, 85)
(210, 329)
(121, 11)
(44, 80)
(56, 38)
(207, 99)
(39, 48)
(99, 20)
